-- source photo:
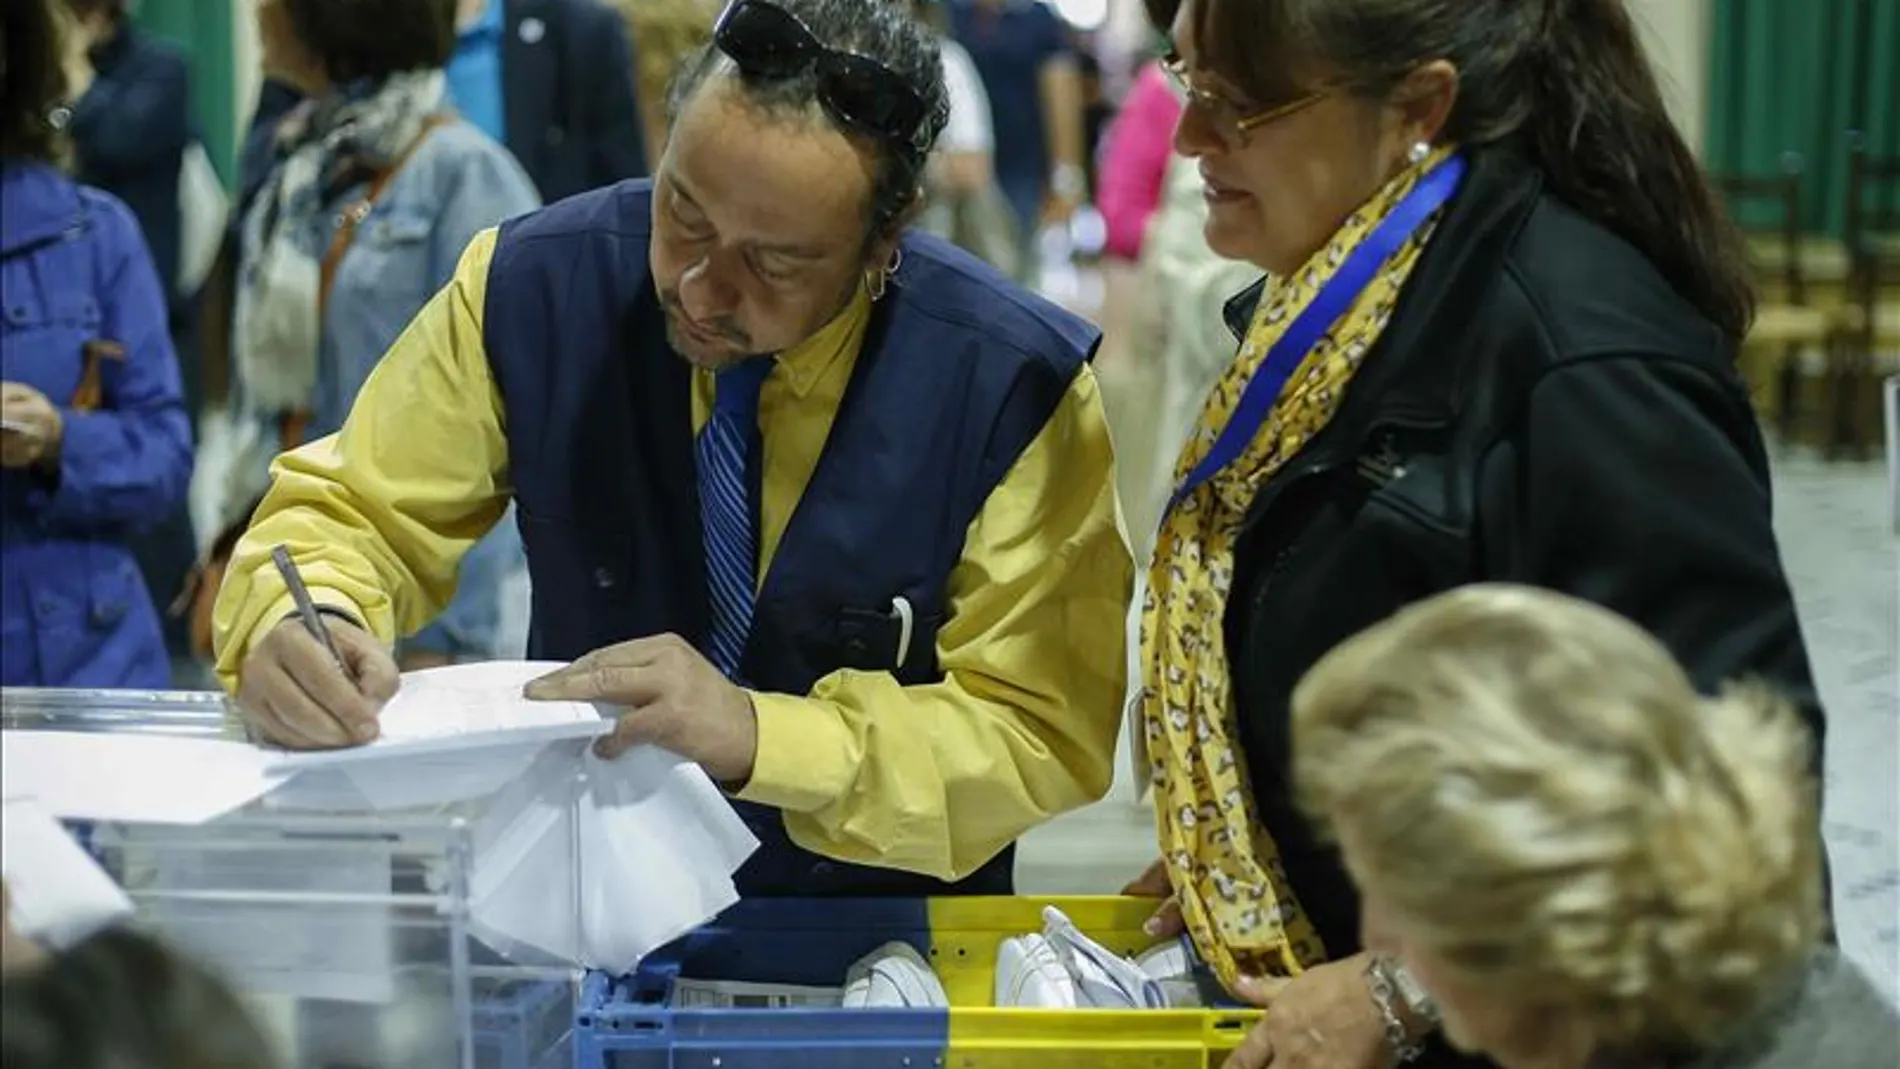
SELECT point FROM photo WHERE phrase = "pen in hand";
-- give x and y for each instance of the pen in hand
(313, 695)
(306, 609)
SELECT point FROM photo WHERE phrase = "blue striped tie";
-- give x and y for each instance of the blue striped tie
(727, 454)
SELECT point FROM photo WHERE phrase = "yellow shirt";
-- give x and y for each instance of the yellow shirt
(932, 779)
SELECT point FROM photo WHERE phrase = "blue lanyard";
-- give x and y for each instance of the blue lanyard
(1332, 301)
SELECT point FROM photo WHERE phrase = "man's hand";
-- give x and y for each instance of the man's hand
(33, 427)
(675, 699)
(293, 693)
(1166, 923)
(1322, 1019)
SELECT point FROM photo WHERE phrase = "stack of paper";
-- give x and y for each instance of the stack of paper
(462, 708)
(449, 735)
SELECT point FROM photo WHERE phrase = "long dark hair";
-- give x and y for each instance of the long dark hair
(1565, 81)
(33, 40)
(374, 39)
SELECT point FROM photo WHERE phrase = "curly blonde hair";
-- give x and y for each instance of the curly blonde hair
(1535, 786)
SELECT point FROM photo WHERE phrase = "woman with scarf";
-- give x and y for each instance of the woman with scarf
(375, 190)
(1494, 342)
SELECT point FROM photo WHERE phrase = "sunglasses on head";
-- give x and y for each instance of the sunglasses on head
(766, 41)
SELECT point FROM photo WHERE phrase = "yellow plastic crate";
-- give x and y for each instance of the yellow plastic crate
(965, 934)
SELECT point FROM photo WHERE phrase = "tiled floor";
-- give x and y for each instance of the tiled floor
(1844, 561)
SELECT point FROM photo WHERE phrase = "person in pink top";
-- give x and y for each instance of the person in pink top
(1134, 162)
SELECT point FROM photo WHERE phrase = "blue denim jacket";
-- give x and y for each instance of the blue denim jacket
(457, 183)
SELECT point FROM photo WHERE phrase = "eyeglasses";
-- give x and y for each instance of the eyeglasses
(767, 41)
(1230, 123)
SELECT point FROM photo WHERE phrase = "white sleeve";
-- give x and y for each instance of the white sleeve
(969, 128)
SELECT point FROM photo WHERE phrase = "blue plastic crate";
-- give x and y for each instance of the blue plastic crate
(625, 1022)
(524, 1025)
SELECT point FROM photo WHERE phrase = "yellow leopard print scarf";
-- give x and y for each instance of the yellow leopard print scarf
(1225, 870)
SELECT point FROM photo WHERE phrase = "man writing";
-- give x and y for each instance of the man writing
(827, 507)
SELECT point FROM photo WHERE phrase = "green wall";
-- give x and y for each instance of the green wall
(1795, 76)
(203, 29)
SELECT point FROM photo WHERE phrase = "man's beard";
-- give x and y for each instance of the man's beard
(724, 344)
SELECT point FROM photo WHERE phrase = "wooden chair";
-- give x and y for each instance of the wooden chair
(1870, 325)
(1788, 323)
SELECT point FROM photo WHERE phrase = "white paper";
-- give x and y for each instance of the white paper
(461, 708)
(151, 779)
(658, 846)
(597, 863)
(59, 894)
(522, 891)
(418, 781)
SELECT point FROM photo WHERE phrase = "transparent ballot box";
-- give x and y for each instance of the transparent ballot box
(339, 905)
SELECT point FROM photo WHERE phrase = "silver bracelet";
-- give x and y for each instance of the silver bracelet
(1385, 995)
(1417, 999)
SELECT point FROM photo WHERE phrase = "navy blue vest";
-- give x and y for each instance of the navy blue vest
(958, 373)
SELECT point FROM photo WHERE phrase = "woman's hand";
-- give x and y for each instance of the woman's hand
(1166, 923)
(33, 427)
(1322, 1019)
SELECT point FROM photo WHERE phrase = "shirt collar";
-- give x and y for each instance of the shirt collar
(806, 364)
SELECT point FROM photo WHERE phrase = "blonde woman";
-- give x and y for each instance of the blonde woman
(1584, 864)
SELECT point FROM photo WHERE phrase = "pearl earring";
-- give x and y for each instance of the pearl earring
(1419, 151)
